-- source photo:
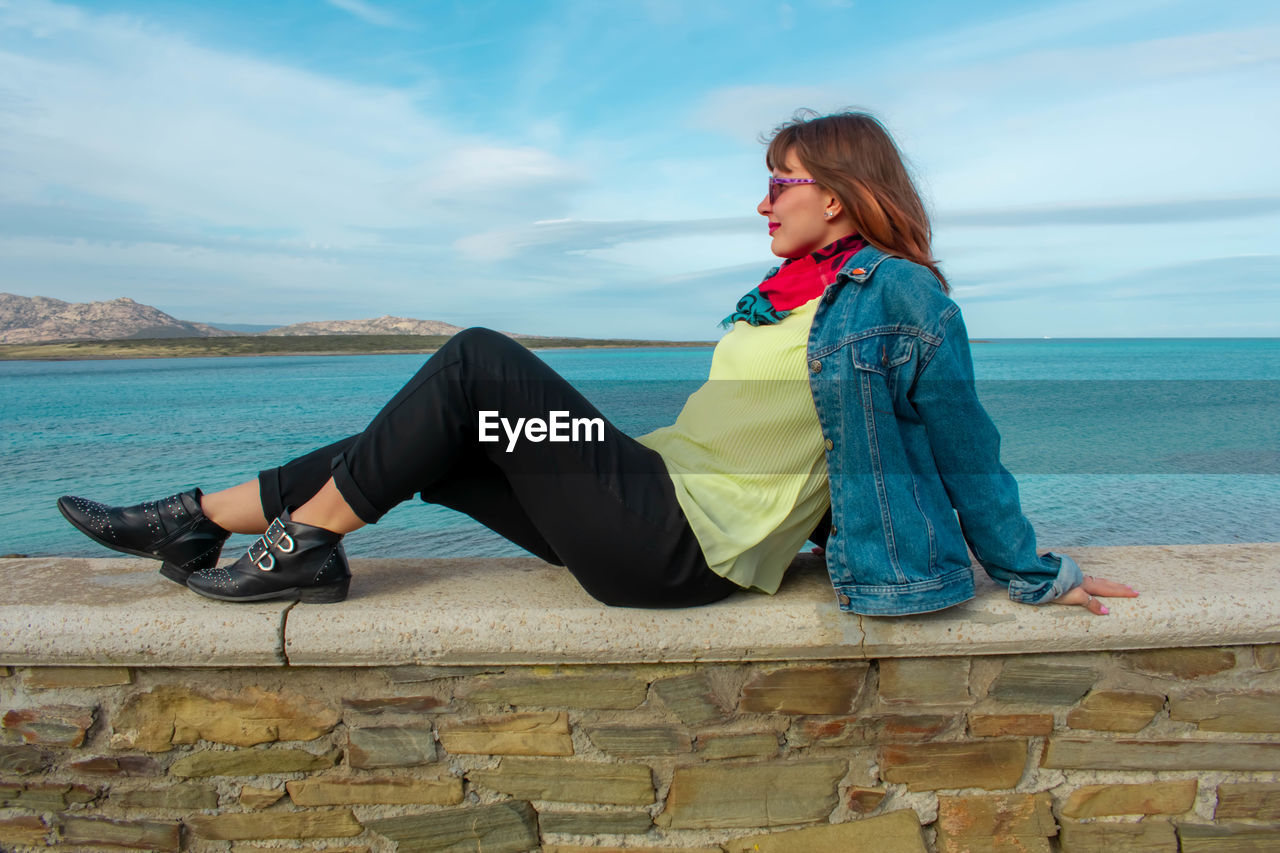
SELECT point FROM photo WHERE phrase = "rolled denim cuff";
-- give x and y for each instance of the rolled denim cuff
(352, 493)
(1067, 577)
(270, 493)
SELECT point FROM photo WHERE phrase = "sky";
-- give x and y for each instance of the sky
(1100, 168)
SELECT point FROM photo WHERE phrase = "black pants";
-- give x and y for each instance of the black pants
(606, 508)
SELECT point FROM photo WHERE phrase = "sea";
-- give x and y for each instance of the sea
(1113, 442)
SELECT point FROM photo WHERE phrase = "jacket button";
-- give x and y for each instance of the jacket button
(843, 599)
(815, 366)
(829, 444)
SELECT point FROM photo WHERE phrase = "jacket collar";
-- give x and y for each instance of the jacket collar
(862, 265)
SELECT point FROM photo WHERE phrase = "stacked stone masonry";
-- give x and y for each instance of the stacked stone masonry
(1157, 750)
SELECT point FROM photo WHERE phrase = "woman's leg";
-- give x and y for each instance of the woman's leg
(599, 502)
(327, 509)
(241, 508)
(474, 486)
(603, 503)
(237, 509)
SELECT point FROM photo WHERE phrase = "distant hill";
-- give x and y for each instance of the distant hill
(40, 319)
(387, 325)
(32, 319)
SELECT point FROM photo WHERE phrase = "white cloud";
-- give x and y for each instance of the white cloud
(115, 111)
(366, 12)
(744, 112)
(1144, 213)
(1056, 169)
(220, 185)
(492, 167)
(1027, 29)
(132, 156)
(560, 236)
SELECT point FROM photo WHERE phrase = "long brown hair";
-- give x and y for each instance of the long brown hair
(853, 156)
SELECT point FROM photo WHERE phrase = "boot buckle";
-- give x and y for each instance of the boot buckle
(276, 536)
(260, 555)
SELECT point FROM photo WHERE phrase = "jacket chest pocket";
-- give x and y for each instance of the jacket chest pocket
(882, 354)
(884, 360)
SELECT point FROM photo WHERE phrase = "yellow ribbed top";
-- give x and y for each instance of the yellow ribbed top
(746, 453)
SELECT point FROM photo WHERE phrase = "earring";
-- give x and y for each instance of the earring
(828, 214)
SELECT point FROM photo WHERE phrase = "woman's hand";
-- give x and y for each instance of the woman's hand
(1088, 593)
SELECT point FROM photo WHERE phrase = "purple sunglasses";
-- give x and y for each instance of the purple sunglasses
(777, 185)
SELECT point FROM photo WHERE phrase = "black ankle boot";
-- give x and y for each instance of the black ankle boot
(291, 560)
(172, 529)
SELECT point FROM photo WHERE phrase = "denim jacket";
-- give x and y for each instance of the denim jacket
(913, 458)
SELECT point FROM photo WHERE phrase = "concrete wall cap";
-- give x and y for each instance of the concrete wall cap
(522, 611)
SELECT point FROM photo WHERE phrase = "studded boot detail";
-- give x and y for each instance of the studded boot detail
(173, 529)
(291, 560)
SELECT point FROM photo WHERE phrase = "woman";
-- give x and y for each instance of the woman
(840, 405)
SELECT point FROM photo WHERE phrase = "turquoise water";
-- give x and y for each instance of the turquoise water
(1113, 441)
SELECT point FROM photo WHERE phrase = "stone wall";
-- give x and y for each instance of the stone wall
(1160, 750)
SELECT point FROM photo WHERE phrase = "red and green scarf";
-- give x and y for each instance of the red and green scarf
(794, 283)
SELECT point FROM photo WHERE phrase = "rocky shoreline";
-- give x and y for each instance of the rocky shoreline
(260, 345)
